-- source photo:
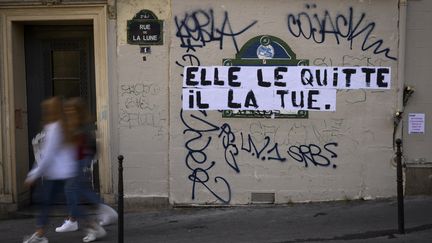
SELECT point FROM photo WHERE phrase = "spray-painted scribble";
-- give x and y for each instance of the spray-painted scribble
(139, 89)
(259, 130)
(197, 28)
(138, 102)
(312, 153)
(350, 61)
(133, 119)
(231, 150)
(201, 134)
(270, 153)
(189, 60)
(138, 107)
(196, 158)
(319, 27)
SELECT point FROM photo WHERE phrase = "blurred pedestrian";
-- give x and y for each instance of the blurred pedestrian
(83, 130)
(56, 165)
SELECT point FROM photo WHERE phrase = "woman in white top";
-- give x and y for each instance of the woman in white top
(57, 164)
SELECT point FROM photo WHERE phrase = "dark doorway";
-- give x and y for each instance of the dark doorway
(59, 62)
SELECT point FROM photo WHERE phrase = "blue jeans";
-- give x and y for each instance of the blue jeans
(50, 189)
(78, 188)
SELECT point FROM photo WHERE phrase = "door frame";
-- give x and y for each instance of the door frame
(12, 81)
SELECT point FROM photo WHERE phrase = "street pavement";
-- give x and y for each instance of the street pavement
(342, 221)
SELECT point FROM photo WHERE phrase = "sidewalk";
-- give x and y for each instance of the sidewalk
(354, 221)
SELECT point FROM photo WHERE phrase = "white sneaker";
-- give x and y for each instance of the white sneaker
(94, 234)
(36, 239)
(107, 215)
(67, 226)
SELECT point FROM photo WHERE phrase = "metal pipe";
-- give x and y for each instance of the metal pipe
(401, 49)
(120, 200)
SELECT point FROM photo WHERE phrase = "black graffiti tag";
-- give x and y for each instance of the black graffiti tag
(231, 150)
(250, 147)
(312, 154)
(196, 158)
(317, 28)
(197, 28)
(196, 178)
(189, 60)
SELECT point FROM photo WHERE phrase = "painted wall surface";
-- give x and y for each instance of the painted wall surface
(143, 106)
(197, 157)
(346, 154)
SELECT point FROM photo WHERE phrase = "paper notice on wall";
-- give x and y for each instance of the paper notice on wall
(289, 88)
(416, 123)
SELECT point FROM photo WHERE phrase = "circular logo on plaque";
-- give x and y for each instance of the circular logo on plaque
(265, 50)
